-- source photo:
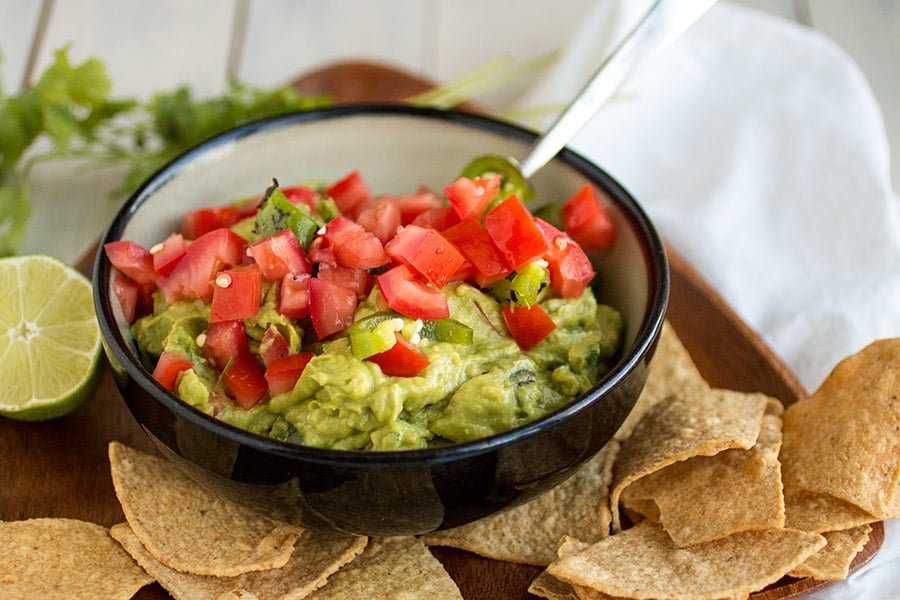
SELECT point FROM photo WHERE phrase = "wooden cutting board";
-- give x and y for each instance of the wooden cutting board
(60, 468)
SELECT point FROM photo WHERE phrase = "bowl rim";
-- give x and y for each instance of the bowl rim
(645, 337)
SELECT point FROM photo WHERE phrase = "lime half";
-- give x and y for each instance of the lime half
(49, 339)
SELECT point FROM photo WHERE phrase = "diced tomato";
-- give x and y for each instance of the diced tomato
(350, 194)
(514, 232)
(126, 291)
(410, 296)
(236, 294)
(168, 367)
(403, 359)
(203, 220)
(427, 252)
(300, 194)
(167, 253)
(353, 245)
(331, 307)
(273, 346)
(321, 251)
(412, 205)
(437, 218)
(571, 270)
(529, 325)
(279, 255)
(469, 197)
(587, 221)
(283, 373)
(244, 381)
(194, 273)
(132, 259)
(293, 296)
(358, 280)
(475, 243)
(223, 341)
(381, 219)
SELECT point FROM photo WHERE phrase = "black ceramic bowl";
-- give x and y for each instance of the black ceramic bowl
(407, 492)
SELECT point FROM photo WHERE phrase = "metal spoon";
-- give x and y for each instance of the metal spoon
(664, 22)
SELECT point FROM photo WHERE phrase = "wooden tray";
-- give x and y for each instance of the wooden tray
(60, 468)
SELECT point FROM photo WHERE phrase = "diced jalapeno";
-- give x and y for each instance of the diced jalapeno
(366, 342)
(522, 288)
(327, 209)
(512, 182)
(447, 330)
(277, 213)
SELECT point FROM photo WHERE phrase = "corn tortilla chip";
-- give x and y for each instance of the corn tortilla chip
(741, 488)
(844, 440)
(547, 586)
(818, 513)
(393, 568)
(316, 558)
(681, 427)
(530, 533)
(64, 559)
(190, 529)
(642, 562)
(832, 563)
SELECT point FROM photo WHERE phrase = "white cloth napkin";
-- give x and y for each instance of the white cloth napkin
(759, 150)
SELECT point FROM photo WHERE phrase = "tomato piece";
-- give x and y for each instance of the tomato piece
(412, 205)
(126, 291)
(403, 359)
(203, 220)
(282, 374)
(331, 307)
(514, 231)
(279, 255)
(358, 280)
(236, 294)
(300, 194)
(439, 218)
(132, 259)
(167, 253)
(293, 296)
(351, 194)
(427, 252)
(353, 245)
(529, 325)
(476, 244)
(587, 221)
(168, 367)
(470, 197)
(223, 341)
(382, 219)
(194, 273)
(273, 346)
(244, 381)
(571, 270)
(406, 294)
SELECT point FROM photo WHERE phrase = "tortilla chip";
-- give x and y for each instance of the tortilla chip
(741, 488)
(317, 557)
(63, 559)
(672, 372)
(547, 586)
(190, 529)
(393, 568)
(844, 440)
(642, 562)
(832, 563)
(682, 427)
(818, 513)
(530, 533)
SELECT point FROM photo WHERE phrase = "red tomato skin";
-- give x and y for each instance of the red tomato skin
(300, 194)
(353, 245)
(403, 359)
(358, 280)
(244, 381)
(351, 194)
(469, 197)
(412, 205)
(279, 255)
(126, 291)
(293, 296)
(439, 218)
(382, 219)
(587, 221)
(331, 307)
(514, 232)
(166, 254)
(282, 374)
(570, 268)
(224, 341)
(168, 367)
(236, 295)
(193, 275)
(132, 259)
(528, 326)
(203, 220)
(476, 244)
(273, 346)
(427, 252)
(410, 296)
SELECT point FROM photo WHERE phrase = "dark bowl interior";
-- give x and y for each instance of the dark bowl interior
(390, 493)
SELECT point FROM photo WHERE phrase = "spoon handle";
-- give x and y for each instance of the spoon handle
(665, 21)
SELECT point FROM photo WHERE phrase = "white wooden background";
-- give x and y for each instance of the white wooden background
(154, 45)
